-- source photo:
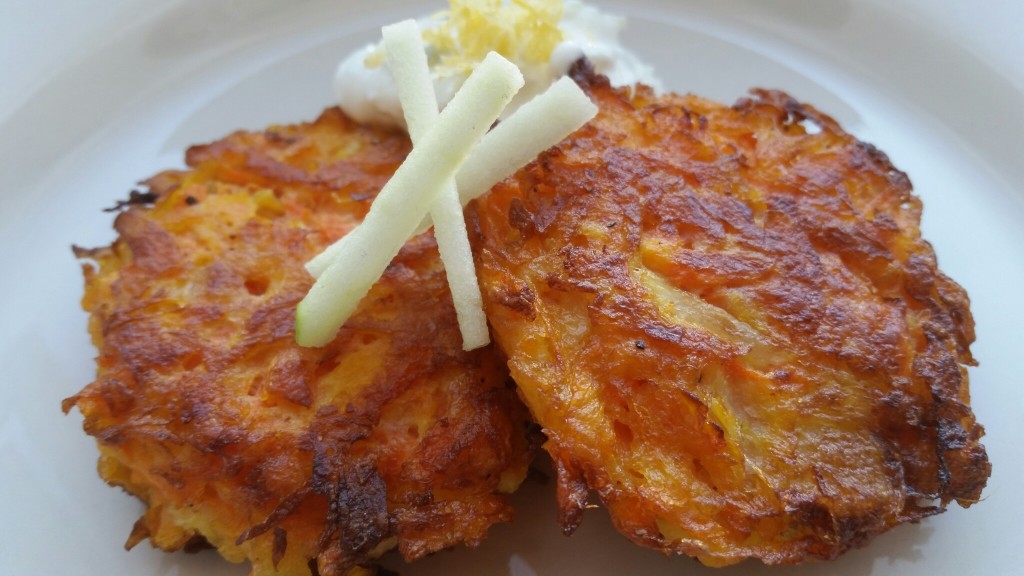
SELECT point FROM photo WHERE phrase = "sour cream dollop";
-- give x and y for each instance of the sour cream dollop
(366, 91)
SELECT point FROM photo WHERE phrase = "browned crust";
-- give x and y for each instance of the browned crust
(205, 408)
(731, 329)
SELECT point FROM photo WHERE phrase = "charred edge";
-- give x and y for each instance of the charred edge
(357, 519)
(280, 545)
(197, 544)
(86, 253)
(520, 299)
(68, 403)
(792, 109)
(135, 198)
(520, 218)
(583, 74)
(140, 531)
(283, 510)
(573, 494)
(371, 570)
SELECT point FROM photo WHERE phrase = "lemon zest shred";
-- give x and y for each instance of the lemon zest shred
(524, 31)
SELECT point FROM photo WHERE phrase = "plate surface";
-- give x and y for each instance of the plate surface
(101, 94)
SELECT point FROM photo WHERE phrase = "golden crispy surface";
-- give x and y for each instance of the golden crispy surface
(731, 330)
(205, 408)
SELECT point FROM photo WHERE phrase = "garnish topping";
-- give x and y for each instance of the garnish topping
(454, 159)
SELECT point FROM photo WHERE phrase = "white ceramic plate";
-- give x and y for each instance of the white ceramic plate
(100, 94)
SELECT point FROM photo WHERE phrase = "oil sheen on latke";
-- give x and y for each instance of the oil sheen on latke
(729, 327)
(724, 319)
(298, 460)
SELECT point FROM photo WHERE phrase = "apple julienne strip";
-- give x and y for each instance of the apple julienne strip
(407, 59)
(538, 125)
(364, 254)
(516, 141)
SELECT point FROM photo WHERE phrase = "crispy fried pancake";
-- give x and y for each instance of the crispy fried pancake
(730, 328)
(205, 408)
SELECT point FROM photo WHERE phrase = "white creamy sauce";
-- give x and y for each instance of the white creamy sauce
(368, 93)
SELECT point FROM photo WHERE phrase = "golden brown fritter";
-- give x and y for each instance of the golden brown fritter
(730, 329)
(205, 408)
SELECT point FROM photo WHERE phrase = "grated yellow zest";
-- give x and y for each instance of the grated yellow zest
(524, 31)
